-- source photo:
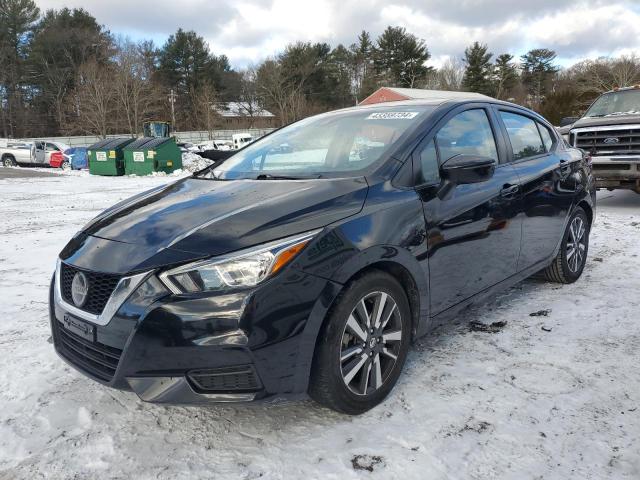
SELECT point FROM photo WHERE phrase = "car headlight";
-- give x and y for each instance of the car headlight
(245, 268)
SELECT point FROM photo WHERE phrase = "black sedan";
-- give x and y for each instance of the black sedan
(281, 273)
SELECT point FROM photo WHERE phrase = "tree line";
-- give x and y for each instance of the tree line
(64, 73)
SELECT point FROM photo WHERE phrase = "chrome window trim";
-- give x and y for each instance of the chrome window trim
(125, 287)
(602, 128)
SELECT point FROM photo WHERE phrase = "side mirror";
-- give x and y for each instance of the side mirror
(463, 169)
(568, 121)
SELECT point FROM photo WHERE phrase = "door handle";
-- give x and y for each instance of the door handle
(509, 190)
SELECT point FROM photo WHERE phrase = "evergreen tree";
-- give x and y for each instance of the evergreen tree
(400, 58)
(364, 82)
(477, 74)
(505, 75)
(17, 19)
(538, 70)
(185, 65)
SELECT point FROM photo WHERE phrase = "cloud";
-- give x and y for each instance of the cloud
(248, 31)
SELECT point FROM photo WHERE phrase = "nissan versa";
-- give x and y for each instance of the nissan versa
(307, 262)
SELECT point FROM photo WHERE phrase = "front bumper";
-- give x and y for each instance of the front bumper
(195, 350)
(617, 172)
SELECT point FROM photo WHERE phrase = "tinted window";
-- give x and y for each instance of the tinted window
(468, 133)
(523, 134)
(547, 139)
(51, 146)
(429, 164)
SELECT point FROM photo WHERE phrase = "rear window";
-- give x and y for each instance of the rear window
(523, 135)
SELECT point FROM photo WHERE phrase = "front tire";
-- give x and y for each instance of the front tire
(569, 263)
(363, 345)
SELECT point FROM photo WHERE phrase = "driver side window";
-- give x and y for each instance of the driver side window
(468, 133)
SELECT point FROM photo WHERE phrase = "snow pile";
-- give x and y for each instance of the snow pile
(192, 162)
(542, 382)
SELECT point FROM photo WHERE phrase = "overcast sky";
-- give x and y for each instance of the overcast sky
(247, 31)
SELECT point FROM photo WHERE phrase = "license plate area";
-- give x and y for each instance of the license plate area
(79, 327)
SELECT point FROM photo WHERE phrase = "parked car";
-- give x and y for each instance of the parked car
(610, 132)
(36, 154)
(272, 276)
(14, 153)
(79, 157)
(58, 160)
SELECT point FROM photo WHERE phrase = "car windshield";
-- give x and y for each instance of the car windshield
(623, 102)
(348, 142)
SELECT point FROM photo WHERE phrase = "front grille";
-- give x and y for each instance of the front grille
(596, 141)
(95, 358)
(101, 286)
(611, 166)
(228, 379)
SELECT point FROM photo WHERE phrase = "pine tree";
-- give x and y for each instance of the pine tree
(400, 58)
(505, 75)
(17, 19)
(538, 70)
(477, 74)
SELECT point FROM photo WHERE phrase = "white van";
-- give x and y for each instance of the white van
(241, 139)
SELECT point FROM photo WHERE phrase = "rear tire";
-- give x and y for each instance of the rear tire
(570, 261)
(362, 345)
(8, 161)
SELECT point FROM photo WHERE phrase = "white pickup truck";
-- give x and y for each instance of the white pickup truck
(24, 153)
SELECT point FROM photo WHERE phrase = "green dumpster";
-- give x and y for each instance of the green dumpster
(152, 154)
(106, 156)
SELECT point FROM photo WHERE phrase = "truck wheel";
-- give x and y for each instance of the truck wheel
(66, 165)
(571, 259)
(363, 345)
(9, 161)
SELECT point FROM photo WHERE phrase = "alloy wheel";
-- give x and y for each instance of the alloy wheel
(576, 244)
(371, 343)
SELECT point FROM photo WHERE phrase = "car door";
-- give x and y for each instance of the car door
(548, 187)
(40, 152)
(474, 230)
(50, 149)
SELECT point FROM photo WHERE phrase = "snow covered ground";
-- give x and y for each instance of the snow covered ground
(553, 394)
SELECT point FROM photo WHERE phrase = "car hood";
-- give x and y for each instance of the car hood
(209, 217)
(605, 121)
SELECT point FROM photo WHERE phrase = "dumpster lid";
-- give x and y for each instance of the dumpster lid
(139, 143)
(117, 143)
(155, 142)
(100, 145)
(110, 143)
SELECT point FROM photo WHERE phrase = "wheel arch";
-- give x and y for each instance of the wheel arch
(402, 266)
(587, 209)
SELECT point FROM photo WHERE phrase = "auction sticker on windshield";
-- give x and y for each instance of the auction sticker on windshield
(392, 115)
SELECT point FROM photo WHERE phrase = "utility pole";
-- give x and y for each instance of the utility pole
(172, 101)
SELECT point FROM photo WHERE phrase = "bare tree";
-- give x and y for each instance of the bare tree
(250, 104)
(283, 90)
(450, 74)
(204, 99)
(93, 100)
(134, 92)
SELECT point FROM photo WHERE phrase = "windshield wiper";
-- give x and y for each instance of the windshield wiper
(268, 176)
